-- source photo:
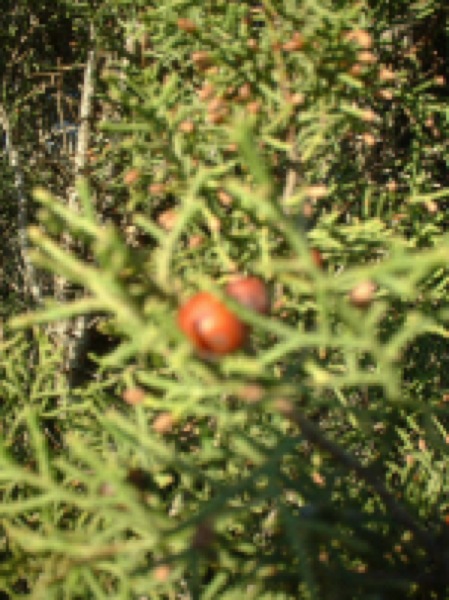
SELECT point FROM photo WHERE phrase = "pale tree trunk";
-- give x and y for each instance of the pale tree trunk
(72, 336)
(31, 282)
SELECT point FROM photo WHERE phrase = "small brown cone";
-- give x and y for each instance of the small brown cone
(362, 294)
(163, 423)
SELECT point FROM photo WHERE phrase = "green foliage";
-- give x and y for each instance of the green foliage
(310, 464)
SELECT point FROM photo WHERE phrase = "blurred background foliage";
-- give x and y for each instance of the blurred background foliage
(152, 150)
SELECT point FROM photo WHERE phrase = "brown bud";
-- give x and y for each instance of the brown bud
(187, 25)
(216, 105)
(131, 176)
(296, 99)
(163, 423)
(187, 127)
(206, 92)
(254, 107)
(367, 58)
(218, 117)
(369, 139)
(252, 44)
(431, 207)
(167, 219)
(356, 70)
(161, 573)
(409, 460)
(134, 396)
(295, 43)
(362, 294)
(251, 393)
(244, 92)
(317, 258)
(369, 116)
(307, 210)
(106, 489)
(202, 59)
(224, 198)
(392, 185)
(157, 189)
(360, 37)
(318, 479)
(385, 94)
(196, 241)
(386, 74)
(422, 445)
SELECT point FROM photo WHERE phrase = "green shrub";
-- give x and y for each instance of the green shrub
(239, 138)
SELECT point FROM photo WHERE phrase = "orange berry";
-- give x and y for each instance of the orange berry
(211, 326)
(250, 291)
